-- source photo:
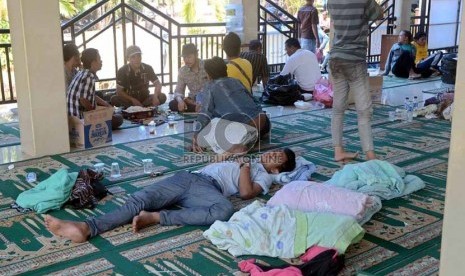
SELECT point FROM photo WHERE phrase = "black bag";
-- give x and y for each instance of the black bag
(87, 190)
(282, 90)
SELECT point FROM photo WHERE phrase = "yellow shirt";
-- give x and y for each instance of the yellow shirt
(234, 72)
(422, 52)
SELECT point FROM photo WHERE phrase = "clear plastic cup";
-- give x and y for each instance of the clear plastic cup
(152, 128)
(280, 110)
(171, 120)
(99, 167)
(115, 171)
(392, 116)
(148, 165)
(31, 177)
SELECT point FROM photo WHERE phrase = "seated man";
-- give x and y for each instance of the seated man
(425, 65)
(401, 58)
(72, 62)
(192, 75)
(81, 92)
(303, 65)
(238, 68)
(258, 61)
(202, 196)
(133, 83)
(227, 99)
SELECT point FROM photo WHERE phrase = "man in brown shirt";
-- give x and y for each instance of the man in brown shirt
(308, 31)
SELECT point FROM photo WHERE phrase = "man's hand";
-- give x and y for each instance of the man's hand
(181, 105)
(195, 147)
(135, 102)
(155, 100)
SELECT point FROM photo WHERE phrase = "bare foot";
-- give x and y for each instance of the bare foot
(144, 219)
(345, 156)
(414, 76)
(370, 155)
(77, 232)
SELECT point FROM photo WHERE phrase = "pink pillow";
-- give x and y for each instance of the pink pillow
(311, 196)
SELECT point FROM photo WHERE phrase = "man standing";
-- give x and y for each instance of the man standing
(133, 82)
(81, 92)
(308, 31)
(192, 75)
(238, 68)
(348, 69)
(258, 61)
(303, 65)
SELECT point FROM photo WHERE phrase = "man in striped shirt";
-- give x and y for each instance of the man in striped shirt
(81, 92)
(348, 70)
(258, 61)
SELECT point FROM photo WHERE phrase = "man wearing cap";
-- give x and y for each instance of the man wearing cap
(133, 82)
(258, 61)
(192, 75)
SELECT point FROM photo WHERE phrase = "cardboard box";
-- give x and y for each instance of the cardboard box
(94, 130)
(375, 85)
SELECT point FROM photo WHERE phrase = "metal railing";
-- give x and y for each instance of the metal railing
(275, 25)
(377, 29)
(122, 25)
(118, 25)
(7, 87)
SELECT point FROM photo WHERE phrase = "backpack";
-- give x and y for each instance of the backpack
(87, 190)
(282, 90)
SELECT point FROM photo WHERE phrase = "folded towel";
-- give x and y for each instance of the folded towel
(303, 171)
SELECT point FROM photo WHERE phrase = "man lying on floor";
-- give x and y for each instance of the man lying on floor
(201, 194)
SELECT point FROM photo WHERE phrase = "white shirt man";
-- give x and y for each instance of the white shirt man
(302, 64)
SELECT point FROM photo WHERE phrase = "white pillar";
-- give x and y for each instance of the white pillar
(250, 11)
(453, 241)
(250, 20)
(402, 12)
(39, 76)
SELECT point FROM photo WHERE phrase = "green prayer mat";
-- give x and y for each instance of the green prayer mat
(403, 238)
(392, 81)
(9, 134)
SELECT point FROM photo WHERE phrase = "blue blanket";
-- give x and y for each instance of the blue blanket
(303, 171)
(378, 178)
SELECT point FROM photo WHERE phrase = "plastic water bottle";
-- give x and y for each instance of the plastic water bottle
(407, 100)
(408, 105)
(415, 103)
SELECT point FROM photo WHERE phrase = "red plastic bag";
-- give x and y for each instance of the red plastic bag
(323, 92)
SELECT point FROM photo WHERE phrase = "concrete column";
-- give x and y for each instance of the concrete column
(250, 9)
(250, 20)
(39, 76)
(453, 242)
(402, 12)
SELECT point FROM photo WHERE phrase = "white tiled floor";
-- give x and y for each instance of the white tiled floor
(391, 96)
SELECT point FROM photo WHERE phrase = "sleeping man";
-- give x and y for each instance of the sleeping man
(201, 194)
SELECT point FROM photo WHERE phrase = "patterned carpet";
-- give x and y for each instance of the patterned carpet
(9, 134)
(403, 238)
(391, 81)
